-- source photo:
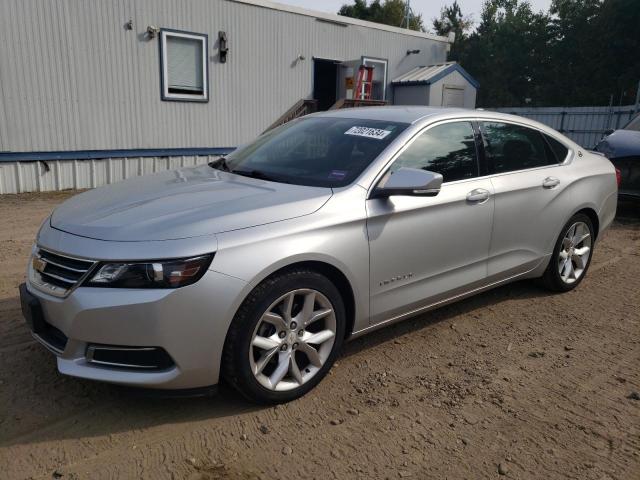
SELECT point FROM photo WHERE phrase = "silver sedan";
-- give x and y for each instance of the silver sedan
(256, 268)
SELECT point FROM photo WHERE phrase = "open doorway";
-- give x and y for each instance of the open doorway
(325, 82)
(379, 84)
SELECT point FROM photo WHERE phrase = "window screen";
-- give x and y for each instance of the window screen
(184, 66)
(511, 147)
(448, 149)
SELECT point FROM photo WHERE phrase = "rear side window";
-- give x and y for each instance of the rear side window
(448, 149)
(559, 150)
(511, 147)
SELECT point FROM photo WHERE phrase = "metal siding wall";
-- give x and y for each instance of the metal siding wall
(583, 125)
(73, 78)
(19, 177)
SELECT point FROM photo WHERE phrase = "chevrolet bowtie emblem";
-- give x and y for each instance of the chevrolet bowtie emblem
(39, 264)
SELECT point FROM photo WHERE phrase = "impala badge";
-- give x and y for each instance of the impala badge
(399, 278)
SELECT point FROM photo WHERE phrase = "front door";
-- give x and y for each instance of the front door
(325, 83)
(426, 249)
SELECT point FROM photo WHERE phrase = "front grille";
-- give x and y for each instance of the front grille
(145, 358)
(56, 273)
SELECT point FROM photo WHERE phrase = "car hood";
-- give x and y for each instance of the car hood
(621, 143)
(183, 203)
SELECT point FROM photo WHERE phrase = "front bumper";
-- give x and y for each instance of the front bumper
(189, 324)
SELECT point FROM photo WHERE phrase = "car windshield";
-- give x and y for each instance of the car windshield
(634, 124)
(315, 151)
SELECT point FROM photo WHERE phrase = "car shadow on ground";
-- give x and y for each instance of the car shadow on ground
(514, 291)
(628, 212)
(124, 409)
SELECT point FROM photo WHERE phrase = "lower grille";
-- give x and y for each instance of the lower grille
(137, 358)
(52, 337)
(57, 274)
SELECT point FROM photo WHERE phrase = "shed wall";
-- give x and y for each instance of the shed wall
(431, 94)
(454, 79)
(411, 95)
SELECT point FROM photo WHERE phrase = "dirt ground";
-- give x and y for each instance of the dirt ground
(513, 383)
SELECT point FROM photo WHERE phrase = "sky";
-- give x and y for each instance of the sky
(428, 8)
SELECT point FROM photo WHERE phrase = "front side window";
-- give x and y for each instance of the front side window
(510, 147)
(315, 151)
(448, 149)
(184, 66)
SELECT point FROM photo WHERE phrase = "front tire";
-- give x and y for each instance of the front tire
(285, 337)
(571, 255)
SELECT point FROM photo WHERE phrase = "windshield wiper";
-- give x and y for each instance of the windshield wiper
(220, 163)
(259, 174)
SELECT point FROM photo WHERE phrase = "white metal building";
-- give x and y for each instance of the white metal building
(94, 91)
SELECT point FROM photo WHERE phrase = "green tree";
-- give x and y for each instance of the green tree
(452, 20)
(389, 12)
(619, 23)
(580, 52)
(595, 49)
(575, 49)
(508, 54)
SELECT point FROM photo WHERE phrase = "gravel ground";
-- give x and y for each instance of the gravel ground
(513, 383)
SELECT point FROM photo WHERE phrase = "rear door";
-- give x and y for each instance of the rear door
(527, 176)
(424, 249)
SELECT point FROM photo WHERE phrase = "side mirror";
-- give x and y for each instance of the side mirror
(608, 132)
(410, 182)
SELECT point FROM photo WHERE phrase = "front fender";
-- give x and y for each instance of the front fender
(335, 236)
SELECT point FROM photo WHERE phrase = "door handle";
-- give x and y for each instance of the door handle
(478, 195)
(550, 182)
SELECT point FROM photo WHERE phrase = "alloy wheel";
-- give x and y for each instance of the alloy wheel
(574, 252)
(292, 340)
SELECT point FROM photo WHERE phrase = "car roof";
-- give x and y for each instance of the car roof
(418, 114)
(397, 113)
(414, 114)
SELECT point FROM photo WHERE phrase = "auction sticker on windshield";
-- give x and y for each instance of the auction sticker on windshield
(368, 132)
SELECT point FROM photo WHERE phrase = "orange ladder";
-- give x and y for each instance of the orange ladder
(364, 85)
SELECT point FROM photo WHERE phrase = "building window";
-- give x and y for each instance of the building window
(379, 87)
(184, 66)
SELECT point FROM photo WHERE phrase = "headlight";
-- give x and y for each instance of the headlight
(153, 274)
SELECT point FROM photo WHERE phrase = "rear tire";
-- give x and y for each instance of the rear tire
(571, 255)
(285, 337)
